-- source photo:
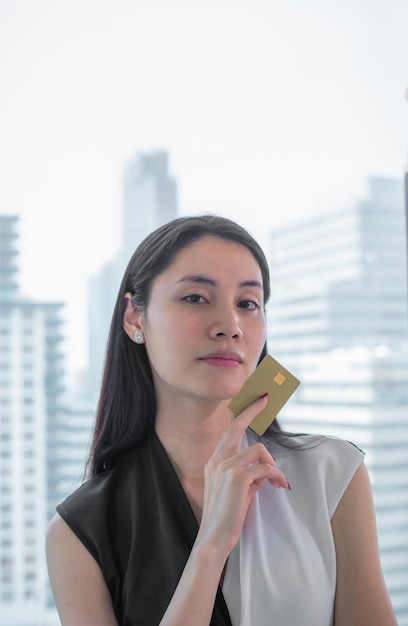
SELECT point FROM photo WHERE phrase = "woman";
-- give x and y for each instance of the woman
(187, 517)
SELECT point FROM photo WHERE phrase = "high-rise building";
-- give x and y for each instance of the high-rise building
(31, 386)
(149, 199)
(339, 320)
(44, 436)
(72, 442)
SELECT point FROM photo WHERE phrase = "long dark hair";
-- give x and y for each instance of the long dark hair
(127, 402)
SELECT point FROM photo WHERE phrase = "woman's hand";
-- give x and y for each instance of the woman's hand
(231, 478)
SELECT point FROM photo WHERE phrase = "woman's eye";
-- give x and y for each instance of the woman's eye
(195, 299)
(250, 305)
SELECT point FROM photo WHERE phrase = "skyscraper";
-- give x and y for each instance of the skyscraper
(44, 436)
(339, 321)
(149, 199)
(31, 368)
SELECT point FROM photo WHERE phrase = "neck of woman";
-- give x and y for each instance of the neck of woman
(190, 434)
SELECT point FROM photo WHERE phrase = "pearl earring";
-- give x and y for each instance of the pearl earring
(138, 337)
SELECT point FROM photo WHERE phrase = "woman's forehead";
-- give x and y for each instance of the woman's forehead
(213, 256)
(209, 245)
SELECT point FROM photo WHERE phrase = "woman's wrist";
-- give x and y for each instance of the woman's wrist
(210, 554)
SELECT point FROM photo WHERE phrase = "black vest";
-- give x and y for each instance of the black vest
(137, 522)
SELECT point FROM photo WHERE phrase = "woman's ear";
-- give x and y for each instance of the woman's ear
(133, 321)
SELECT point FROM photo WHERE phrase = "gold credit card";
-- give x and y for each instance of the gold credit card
(269, 376)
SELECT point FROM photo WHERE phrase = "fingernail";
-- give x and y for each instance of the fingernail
(289, 487)
(263, 395)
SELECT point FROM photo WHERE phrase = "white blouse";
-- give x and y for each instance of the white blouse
(282, 572)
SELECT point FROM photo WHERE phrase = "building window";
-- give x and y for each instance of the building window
(7, 597)
(29, 523)
(5, 524)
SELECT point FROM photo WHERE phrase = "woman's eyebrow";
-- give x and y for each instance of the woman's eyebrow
(198, 278)
(205, 280)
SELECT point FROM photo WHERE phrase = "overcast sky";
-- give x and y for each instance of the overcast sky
(270, 110)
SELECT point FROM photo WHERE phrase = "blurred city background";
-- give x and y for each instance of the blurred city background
(291, 118)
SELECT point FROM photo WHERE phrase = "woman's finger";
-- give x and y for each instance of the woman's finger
(257, 453)
(231, 439)
(256, 456)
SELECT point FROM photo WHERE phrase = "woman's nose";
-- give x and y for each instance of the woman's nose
(227, 325)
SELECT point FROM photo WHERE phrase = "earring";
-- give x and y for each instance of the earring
(138, 337)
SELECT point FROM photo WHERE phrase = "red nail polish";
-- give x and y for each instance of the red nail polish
(289, 487)
(263, 395)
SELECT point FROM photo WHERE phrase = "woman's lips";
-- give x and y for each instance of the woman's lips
(222, 360)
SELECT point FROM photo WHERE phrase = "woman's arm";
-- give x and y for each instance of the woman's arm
(361, 595)
(81, 595)
(79, 590)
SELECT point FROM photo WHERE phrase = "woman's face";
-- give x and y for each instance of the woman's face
(204, 326)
